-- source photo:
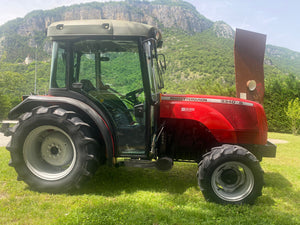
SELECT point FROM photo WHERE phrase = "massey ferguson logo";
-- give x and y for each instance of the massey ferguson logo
(208, 100)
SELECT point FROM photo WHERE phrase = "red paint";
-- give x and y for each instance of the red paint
(230, 120)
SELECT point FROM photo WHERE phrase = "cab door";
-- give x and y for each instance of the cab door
(123, 79)
(153, 84)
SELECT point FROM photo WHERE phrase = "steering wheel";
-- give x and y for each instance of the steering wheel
(132, 96)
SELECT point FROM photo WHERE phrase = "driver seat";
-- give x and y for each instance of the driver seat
(112, 103)
(87, 85)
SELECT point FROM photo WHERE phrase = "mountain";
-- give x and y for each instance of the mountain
(288, 61)
(21, 38)
(28, 32)
(24, 34)
(222, 29)
(208, 45)
(163, 14)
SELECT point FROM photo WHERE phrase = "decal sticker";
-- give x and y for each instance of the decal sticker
(209, 100)
(187, 109)
(243, 95)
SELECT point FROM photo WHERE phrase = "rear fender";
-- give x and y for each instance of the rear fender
(87, 113)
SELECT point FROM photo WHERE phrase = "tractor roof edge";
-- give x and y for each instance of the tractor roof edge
(109, 28)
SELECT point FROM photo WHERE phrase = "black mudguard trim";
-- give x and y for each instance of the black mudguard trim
(70, 104)
(260, 151)
(268, 150)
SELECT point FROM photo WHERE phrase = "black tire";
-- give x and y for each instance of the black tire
(230, 174)
(52, 150)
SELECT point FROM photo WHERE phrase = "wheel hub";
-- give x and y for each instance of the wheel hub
(229, 176)
(55, 150)
(232, 181)
(49, 152)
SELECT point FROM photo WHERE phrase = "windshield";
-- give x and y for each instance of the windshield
(116, 64)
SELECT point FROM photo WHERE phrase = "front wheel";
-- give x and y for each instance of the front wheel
(53, 150)
(230, 175)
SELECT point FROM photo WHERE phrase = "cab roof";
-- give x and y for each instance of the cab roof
(101, 28)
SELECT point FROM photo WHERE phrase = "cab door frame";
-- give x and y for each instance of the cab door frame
(152, 98)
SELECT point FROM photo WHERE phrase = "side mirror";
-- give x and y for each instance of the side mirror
(162, 66)
(162, 62)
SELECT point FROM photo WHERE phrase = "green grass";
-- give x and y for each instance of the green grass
(143, 196)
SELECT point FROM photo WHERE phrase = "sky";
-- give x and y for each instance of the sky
(279, 20)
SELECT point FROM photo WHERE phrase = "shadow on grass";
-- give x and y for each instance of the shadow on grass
(280, 188)
(110, 182)
(114, 181)
(178, 209)
(276, 180)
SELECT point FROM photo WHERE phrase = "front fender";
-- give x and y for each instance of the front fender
(83, 109)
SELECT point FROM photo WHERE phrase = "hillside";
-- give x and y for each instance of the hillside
(22, 38)
(288, 61)
(27, 33)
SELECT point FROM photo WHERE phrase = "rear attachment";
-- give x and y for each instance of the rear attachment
(249, 50)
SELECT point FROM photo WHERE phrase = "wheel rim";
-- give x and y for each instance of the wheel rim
(232, 181)
(49, 153)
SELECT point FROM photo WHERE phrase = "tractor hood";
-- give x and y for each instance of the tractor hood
(230, 120)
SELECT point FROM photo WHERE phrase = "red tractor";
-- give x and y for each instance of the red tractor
(105, 106)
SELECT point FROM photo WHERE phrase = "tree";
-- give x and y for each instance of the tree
(5, 106)
(279, 91)
(293, 113)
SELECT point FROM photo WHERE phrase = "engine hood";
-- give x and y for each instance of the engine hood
(230, 120)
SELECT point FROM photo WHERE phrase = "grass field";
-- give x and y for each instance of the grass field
(144, 196)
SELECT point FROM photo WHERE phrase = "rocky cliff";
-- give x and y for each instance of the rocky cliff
(28, 32)
(222, 29)
(169, 14)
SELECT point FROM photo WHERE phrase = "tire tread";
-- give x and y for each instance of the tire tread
(87, 144)
(221, 153)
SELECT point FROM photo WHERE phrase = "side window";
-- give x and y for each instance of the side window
(58, 67)
(87, 68)
(61, 68)
(113, 78)
(121, 71)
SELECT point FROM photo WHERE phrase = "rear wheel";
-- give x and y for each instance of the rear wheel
(230, 174)
(53, 150)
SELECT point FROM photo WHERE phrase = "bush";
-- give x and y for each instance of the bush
(279, 92)
(5, 106)
(293, 113)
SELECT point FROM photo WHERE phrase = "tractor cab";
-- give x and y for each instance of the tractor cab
(112, 66)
